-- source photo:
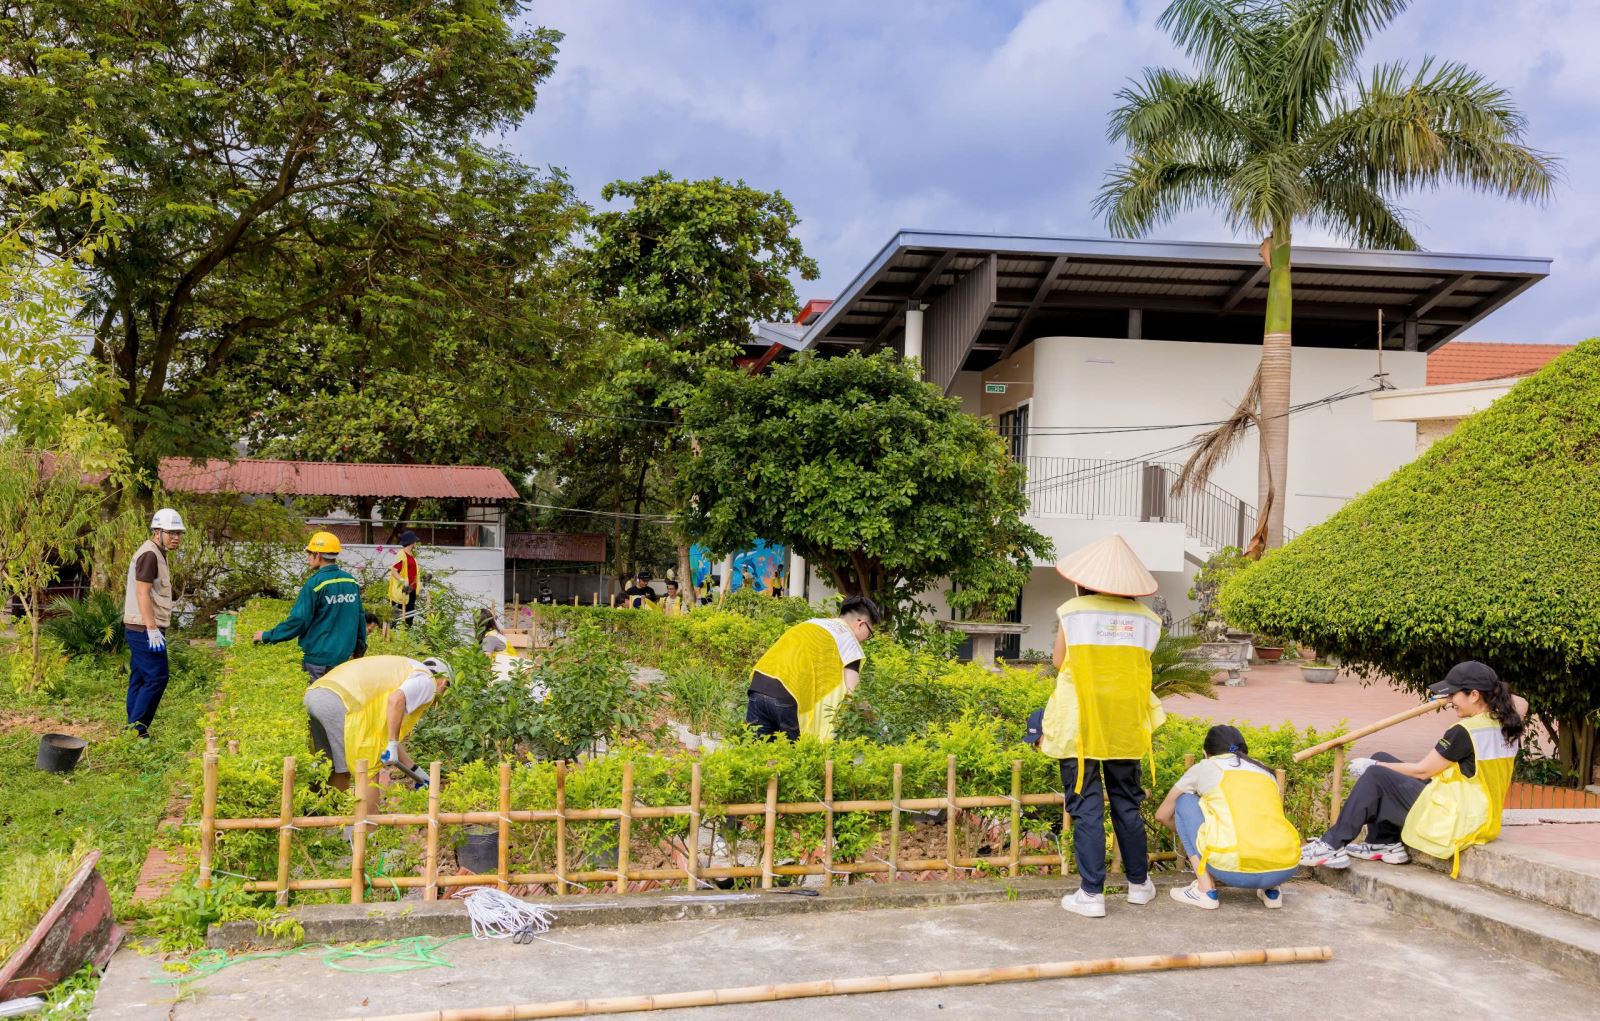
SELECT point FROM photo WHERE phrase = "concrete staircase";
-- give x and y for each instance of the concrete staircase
(1521, 901)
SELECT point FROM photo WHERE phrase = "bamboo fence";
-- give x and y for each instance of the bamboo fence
(693, 874)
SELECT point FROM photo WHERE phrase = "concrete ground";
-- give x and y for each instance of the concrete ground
(1383, 964)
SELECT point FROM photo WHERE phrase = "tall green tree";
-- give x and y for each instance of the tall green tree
(275, 160)
(1281, 129)
(875, 477)
(684, 272)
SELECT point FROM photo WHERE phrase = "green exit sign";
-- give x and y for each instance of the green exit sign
(994, 388)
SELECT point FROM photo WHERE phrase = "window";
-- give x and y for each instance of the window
(1014, 429)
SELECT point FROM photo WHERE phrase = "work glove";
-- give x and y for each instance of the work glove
(391, 754)
(157, 641)
(1358, 766)
(420, 785)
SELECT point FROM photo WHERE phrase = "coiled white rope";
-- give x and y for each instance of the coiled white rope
(498, 915)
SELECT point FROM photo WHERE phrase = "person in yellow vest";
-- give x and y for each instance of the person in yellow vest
(1444, 804)
(1228, 812)
(796, 686)
(672, 603)
(366, 708)
(405, 579)
(1105, 641)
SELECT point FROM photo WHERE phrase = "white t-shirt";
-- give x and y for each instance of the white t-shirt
(849, 649)
(418, 688)
(1205, 776)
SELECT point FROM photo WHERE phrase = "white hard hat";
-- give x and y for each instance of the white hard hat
(167, 520)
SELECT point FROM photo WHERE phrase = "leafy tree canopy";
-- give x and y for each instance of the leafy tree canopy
(1486, 547)
(869, 473)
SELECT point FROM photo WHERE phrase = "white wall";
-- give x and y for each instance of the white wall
(1335, 452)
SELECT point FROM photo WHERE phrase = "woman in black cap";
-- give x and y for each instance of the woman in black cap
(1451, 799)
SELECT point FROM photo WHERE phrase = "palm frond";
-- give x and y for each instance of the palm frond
(1176, 668)
(1230, 38)
(1216, 445)
(1324, 38)
(1269, 187)
(1344, 203)
(1153, 186)
(1172, 109)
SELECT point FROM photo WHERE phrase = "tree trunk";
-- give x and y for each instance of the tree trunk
(685, 580)
(1272, 485)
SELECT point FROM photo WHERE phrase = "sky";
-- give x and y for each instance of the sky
(989, 116)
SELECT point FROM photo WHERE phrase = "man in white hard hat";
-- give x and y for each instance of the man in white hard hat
(146, 613)
(1105, 642)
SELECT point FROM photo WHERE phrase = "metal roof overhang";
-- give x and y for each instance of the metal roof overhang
(1186, 291)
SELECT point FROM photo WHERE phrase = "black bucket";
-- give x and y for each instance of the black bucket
(59, 753)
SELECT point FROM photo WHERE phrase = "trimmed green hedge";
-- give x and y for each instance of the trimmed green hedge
(1486, 547)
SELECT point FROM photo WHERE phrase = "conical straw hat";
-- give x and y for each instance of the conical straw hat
(1110, 566)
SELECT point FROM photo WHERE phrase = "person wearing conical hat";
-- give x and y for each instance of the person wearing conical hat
(1104, 645)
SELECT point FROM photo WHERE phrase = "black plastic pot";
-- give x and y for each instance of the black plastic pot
(59, 753)
(480, 851)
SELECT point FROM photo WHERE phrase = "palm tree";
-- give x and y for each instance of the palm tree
(1280, 129)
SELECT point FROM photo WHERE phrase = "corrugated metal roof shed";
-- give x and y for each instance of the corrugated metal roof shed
(258, 477)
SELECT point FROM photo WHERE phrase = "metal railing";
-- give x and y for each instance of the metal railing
(1138, 491)
(386, 532)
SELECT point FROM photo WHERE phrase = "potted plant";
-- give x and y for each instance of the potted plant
(1269, 648)
(1318, 672)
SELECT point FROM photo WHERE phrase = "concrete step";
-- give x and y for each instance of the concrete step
(1532, 873)
(1566, 943)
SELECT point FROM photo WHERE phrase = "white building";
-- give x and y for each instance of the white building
(1100, 360)
(1463, 379)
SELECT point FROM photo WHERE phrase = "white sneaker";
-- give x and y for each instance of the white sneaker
(1317, 853)
(1143, 893)
(1192, 896)
(1089, 905)
(1273, 899)
(1390, 854)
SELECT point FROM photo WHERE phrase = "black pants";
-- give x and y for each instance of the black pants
(1379, 801)
(1087, 808)
(770, 717)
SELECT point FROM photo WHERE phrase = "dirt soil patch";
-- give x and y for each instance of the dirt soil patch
(15, 719)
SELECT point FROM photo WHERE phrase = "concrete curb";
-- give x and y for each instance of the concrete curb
(347, 923)
(1563, 942)
(1532, 873)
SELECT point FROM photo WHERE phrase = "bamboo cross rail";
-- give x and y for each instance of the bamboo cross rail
(868, 984)
(1371, 728)
(626, 814)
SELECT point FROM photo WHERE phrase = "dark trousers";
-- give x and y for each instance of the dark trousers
(147, 680)
(314, 671)
(1087, 808)
(405, 612)
(769, 716)
(1379, 801)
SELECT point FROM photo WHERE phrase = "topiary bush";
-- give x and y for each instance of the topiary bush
(1486, 547)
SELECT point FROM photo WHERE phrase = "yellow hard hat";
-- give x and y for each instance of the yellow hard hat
(324, 542)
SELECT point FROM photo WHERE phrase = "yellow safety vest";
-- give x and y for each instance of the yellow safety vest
(399, 578)
(1060, 727)
(1244, 829)
(809, 661)
(364, 686)
(1109, 640)
(1456, 811)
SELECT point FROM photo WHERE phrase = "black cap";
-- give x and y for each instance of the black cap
(408, 537)
(1468, 676)
(1035, 731)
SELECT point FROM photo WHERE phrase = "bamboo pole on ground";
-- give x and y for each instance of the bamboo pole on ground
(1371, 728)
(625, 827)
(285, 830)
(358, 838)
(430, 869)
(894, 825)
(693, 863)
(869, 984)
(1336, 785)
(951, 816)
(503, 848)
(769, 832)
(208, 818)
(561, 824)
(827, 823)
(1015, 865)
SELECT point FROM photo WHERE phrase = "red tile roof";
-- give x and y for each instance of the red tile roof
(573, 547)
(323, 478)
(1463, 361)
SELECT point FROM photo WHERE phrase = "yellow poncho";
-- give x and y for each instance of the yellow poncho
(364, 686)
(809, 662)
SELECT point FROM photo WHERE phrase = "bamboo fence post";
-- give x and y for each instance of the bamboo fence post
(770, 832)
(358, 838)
(503, 851)
(233, 748)
(285, 830)
(625, 827)
(1015, 868)
(1116, 855)
(867, 984)
(1283, 779)
(211, 741)
(1177, 842)
(1336, 785)
(694, 827)
(827, 823)
(561, 823)
(430, 867)
(208, 819)
(894, 825)
(951, 815)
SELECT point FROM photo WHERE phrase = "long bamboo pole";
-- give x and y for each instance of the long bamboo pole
(868, 984)
(430, 867)
(208, 819)
(285, 830)
(358, 838)
(503, 844)
(625, 827)
(1371, 728)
